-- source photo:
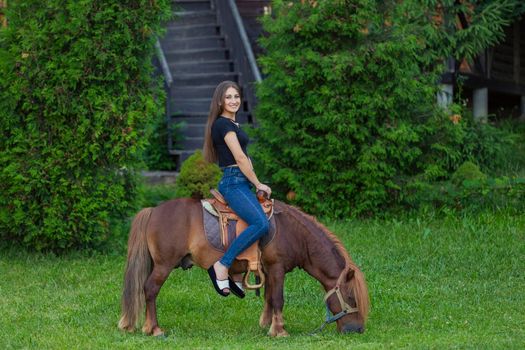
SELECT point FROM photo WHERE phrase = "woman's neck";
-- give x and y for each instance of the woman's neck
(228, 115)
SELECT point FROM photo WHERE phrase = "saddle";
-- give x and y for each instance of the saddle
(231, 225)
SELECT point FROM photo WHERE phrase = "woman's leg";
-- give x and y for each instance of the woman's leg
(243, 201)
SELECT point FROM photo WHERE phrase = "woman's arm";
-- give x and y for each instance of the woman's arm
(244, 162)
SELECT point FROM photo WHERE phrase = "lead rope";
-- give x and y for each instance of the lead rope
(329, 319)
(346, 309)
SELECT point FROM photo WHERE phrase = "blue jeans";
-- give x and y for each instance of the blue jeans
(237, 190)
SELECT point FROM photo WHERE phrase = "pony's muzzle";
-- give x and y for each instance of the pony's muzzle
(350, 328)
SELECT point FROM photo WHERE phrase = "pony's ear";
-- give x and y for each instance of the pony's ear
(350, 275)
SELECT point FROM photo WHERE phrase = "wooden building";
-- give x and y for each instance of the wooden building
(3, 19)
(494, 83)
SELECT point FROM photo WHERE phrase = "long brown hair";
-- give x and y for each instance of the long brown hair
(216, 109)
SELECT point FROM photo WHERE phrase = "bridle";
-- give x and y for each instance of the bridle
(345, 308)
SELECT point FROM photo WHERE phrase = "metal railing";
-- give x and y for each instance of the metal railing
(168, 82)
(241, 51)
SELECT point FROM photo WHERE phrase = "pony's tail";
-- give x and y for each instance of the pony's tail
(361, 293)
(137, 271)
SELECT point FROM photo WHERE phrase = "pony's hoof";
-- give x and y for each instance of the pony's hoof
(157, 332)
(123, 326)
(278, 334)
(127, 329)
(265, 322)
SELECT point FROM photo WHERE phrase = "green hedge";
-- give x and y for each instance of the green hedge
(347, 110)
(76, 97)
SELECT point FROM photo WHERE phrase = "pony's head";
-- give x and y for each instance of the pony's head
(348, 301)
(328, 261)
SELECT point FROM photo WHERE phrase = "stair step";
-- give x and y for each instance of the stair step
(190, 118)
(201, 67)
(177, 43)
(191, 105)
(202, 118)
(193, 17)
(201, 91)
(204, 78)
(183, 109)
(191, 5)
(198, 58)
(192, 30)
(194, 130)
(192, 142)
(197, 55)
(181, 154)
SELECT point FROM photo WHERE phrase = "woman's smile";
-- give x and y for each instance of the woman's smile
(232, 102)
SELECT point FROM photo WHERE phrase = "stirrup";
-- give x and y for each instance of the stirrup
(259, 273)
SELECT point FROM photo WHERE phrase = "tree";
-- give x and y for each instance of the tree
(76, 96)
(347, 111)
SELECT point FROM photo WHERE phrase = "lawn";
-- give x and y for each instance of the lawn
(435, 282)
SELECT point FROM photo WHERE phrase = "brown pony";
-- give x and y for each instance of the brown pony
(171, 235)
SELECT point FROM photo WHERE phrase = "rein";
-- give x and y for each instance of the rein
(346, 309)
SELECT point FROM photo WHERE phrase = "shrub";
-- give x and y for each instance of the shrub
(497, 148)
(76, 96)
(197, 177)
(347, 111)
(474, 194)
(468, 171)
(153, 194)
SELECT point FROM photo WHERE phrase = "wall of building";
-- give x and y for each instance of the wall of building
(3, 20)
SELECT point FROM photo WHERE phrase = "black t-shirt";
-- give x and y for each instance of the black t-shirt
(221, 126)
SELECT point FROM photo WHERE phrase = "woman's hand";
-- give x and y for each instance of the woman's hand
(265, 188)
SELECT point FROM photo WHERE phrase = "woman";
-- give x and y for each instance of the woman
(225, 142)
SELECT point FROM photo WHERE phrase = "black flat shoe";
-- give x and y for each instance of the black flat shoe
(234, 288)
(218, 284)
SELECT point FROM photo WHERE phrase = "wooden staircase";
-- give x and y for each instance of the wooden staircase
(198, 58)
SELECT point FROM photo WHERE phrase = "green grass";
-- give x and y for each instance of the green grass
(452, 282)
